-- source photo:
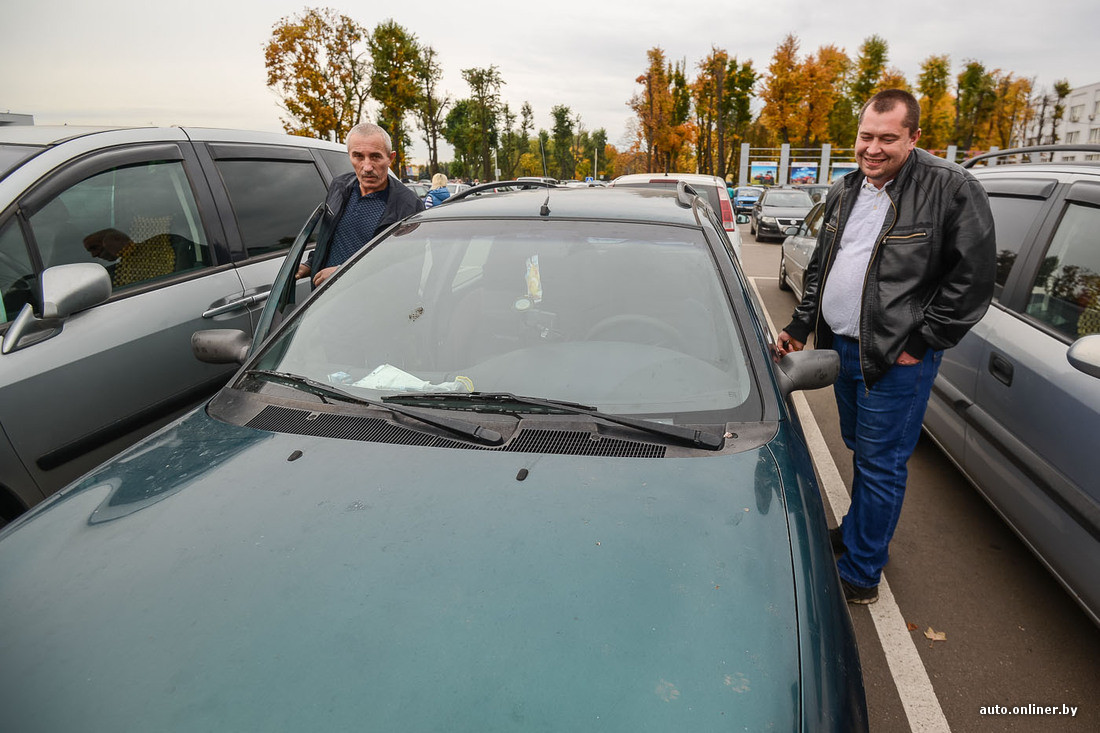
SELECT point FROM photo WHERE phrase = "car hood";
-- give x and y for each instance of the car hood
(222, 578)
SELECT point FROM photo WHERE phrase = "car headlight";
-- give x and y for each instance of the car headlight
(770, 220)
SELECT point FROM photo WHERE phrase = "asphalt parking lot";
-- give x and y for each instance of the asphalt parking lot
(1018, 653)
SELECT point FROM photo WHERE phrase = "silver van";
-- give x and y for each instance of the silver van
(1016, 404)
(115, 246)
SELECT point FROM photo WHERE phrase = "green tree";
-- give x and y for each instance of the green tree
(1062, 89)
(485, 87)
(514, 141)
(317, 65)
(397, 61)
(869, 69)
(457, 130)
(561, 142)
(973, 103)
(431, 106)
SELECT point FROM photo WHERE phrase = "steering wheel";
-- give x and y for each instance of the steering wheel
(636, 328)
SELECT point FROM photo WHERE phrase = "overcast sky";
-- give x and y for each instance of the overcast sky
(201, 63)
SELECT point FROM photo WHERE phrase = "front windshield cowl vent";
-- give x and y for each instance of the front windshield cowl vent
(278, 419)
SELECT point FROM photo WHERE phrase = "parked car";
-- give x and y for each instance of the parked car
(744, 198)
(712, 187)
(515, 459)
(797, 249)
(1016, 404)
(776, 210)
(457, 187)
(817, 191)
(420, 189)
(115, 246)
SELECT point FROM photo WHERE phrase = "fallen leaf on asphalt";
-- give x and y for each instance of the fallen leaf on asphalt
(911, 626)
(935, 635)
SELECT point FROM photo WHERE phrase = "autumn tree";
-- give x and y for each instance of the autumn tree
(317, 64)
(430, 106)
(653, 107)
(485, 107)
(823, 77)
(394, 83)
(782, 92)
(936, 103)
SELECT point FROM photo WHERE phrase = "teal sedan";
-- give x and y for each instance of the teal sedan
(520, 464)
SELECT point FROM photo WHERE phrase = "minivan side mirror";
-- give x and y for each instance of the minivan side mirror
(66, 289)
(742, 218)
(1084, 355)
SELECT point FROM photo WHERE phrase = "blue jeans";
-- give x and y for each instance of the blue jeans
(881, 427)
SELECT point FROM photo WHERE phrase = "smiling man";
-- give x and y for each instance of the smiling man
(904, 267)
(360, 204)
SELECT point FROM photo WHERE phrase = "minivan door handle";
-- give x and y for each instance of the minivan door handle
(1001, 369)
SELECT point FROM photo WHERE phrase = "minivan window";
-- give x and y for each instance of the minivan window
(271, 200)
(1013, 219)
(1066, 292)
(138, 221)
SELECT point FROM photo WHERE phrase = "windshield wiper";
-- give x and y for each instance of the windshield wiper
(326, 392)
(499, 402)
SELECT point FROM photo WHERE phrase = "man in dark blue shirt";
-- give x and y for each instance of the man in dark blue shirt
(360, 204)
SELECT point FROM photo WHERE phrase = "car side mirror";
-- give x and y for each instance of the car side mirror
(791, 231)
(221, 345)
(1084, 355)
(807, 369)
(742, 218)
(66, 289)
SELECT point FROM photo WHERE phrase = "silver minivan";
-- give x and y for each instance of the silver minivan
(1016, 404)
(115, 246)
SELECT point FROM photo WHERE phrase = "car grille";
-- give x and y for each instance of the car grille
(788, 222)
(376, 430)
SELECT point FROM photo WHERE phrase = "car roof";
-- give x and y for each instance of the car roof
(48, 135)
(687, 177)
(594, 203)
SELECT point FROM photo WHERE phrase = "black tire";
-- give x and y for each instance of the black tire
(783, 284)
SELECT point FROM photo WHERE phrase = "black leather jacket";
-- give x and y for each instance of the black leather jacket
(932, 269)
(400, 202)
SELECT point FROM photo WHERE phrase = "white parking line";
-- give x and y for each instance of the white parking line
(918, 698)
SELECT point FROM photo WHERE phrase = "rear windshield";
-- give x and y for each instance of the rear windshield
(12, 156)
(711, 192)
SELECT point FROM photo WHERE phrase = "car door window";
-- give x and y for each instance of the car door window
(16, 272)
(271, 199)
(1066, 291)
(1014, 217)
(139, 221)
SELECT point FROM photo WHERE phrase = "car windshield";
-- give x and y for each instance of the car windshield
(628, 318)
(749, 191)
(789, 198)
